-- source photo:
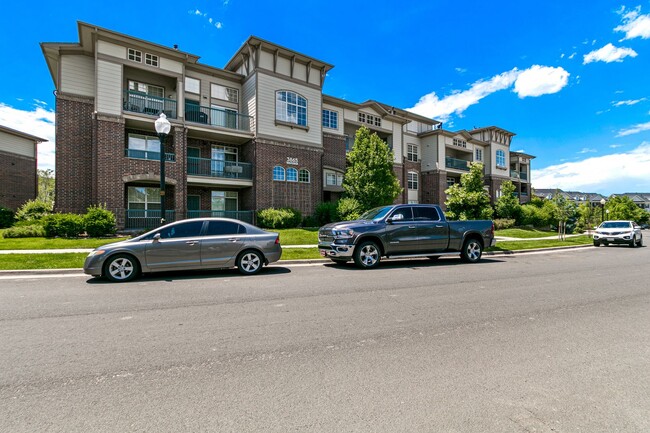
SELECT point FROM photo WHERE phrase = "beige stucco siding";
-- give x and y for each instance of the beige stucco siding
(267, 87)
(18, 145)
(78, 75)
(109, 87)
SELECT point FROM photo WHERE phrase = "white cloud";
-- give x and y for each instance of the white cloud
(635, 129)
(38, 122)
(587, 150)
(534, 81)
(609, 53)
(211, 21)
(634, 24)
(606, 174)
(572, 55)
(615, 146)
(461, 70)
(541, 80)
(627, 102)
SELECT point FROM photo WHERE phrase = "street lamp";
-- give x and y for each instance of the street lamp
(602, 209)
(162, 128)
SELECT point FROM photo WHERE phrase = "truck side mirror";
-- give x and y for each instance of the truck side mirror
(396, 217)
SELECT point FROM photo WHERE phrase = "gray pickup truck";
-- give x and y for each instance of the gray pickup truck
(404, 230)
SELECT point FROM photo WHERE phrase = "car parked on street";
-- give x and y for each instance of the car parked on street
(618, 232)
(199, 243)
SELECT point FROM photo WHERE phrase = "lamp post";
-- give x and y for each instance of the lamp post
(602, 209)
(162, 128)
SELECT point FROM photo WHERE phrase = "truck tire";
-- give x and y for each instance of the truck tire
(367, 255)
(472, 251)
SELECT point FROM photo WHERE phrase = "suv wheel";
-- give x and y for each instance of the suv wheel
(596, 243)
(633, 241)
(367, 255)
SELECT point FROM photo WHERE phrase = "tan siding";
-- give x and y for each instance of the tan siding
(300, 72)
(314, 76)
(267, 86)
(114, 50)
(78, 75)
(109, 87)
(284, 66)
(266, 60)
(429, 152)
(249, 100)
(339, 110)
(171, 65)
(13, 144)
(398, 144)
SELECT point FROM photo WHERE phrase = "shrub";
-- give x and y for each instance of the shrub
(284, 218)
(540, 217)
(6, 217)
(326, 213)
(99, 221)
(309, 222)
(34, 231)
(33, 210)
(66, 225)
(504, 223)
(349, 209)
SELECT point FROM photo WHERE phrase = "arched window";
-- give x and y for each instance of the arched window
(501, 158)
(292, 175)
(303, 175)
(278, 173)
(290, 107)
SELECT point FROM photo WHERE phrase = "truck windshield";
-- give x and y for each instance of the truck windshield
(376, 213)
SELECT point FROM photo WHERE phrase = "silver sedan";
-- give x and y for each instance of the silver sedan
(201, 243)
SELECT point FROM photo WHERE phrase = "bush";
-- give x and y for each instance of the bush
(504, 223)
(66, 225)
(326, 213)
(309, 222)
(284, 218)
(539, 217)
(6, 217)
(99, 221)
(34, 231)
(349, 209)
(33, 210)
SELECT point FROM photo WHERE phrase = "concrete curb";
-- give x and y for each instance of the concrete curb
(290, 262)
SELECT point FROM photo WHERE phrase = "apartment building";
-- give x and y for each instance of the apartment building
(257, 133)
(18, 160)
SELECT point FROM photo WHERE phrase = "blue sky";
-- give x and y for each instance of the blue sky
(570, 78)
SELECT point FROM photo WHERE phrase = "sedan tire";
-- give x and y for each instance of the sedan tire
(367, 255)
(250, 262)
(121, 268)
(472, 251)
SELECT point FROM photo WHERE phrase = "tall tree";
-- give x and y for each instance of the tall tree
(507, 206)
(469, 200)
(623, 208)
(564, 209)
(369, 177)
(45, 185)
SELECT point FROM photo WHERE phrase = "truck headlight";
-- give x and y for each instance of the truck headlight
(343, 234)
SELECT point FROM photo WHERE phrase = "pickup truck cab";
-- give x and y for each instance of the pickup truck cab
(404, 230)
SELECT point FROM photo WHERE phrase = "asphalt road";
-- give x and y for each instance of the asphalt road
(553, 342)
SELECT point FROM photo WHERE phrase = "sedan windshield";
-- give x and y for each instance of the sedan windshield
(376, 213)
(615, 225)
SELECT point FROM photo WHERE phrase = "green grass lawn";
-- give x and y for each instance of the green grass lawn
(54, 243)
(307, 236)
(42, 261)
(524, 233)
(544, 243)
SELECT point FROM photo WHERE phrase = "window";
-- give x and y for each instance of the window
(460, 143)
(219, 228)
(151, 60)
(142, 200)
(330, 119)
(223, 202)
(425, 214)
(143, 147)
(292, 175)
(192, 85)
(406, 212)
(412, 180)
(278, 173)
(303, 175)
(183, 230)
(147, 89)
(135, 55)
(230, 94)
(290, 107)
(501, 158)
(479, 154)
(412, 152)
(450, 182)
(333, 179)
(370, 119)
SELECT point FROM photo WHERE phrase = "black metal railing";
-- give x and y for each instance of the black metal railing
(138, 102)
(147, 219)
(242, 215)
(217, 117)
(146, 154)
(217, 168)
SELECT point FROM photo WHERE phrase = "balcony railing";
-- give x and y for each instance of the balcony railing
(519, 174)
(458, 164)
(217, 168)
(146, 154)
(217, 117)
(242, 215)
(523, 175)
(138, 102)
(147, 219)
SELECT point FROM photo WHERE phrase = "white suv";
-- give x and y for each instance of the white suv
(618, 232)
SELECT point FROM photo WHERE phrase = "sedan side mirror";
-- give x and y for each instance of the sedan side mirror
(156, 237)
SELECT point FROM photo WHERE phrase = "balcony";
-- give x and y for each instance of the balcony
(148, 155)
(457, 164)
(141, 219)
(138, 102)
(219, 169)
(518, 174)
(218, 117)
(242, 215)
(523, 175)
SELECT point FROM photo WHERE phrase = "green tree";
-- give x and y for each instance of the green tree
(469, 200)
(564, 209)
(369, 177)
(623, 208)
(45, 186)
(507, 206)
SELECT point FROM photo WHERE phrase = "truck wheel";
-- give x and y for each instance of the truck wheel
(472, 251)
(367, 255)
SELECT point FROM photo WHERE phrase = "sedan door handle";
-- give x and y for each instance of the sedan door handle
(192, 242)
(233, 239)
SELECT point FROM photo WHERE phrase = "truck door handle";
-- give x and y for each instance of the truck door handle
(439, 226)
(411, 227)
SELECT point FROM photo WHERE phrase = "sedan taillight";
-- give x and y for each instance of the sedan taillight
(277, 240)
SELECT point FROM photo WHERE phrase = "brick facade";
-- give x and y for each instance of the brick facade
(434, 184)
(334, 151)
(18, 180)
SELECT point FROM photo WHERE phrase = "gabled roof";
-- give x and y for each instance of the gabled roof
(496, 128)
(21, 134)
